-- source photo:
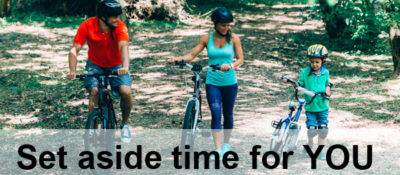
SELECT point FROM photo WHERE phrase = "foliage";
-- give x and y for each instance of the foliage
(361, 21)
(47, 21)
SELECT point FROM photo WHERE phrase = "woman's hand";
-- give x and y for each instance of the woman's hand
(226, 67)
(174, 59)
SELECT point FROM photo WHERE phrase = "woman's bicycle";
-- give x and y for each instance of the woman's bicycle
(101, 122)
(193, 106)
(285, 136)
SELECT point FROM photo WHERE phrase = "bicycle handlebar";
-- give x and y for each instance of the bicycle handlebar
(83, 76)
(197, 67)
(303, 91)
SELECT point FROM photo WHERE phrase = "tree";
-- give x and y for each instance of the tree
(5, 8)
(394, 34)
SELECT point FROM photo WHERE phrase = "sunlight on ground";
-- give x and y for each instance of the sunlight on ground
(78, 102)
(350, 80)
(29, 30)
(49, 82)
(260, 81)
(152, 76)
(288, 6)
(19, 119)
(266, 64)
(393, 87)
(363, 57)
(375, 97)
(383, 111)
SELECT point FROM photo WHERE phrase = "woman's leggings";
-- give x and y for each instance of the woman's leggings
(221, 99)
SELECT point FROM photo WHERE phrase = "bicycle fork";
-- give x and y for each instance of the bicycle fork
(197, 112)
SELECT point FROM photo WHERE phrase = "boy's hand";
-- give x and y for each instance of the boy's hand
(284, 79)
(328, 91)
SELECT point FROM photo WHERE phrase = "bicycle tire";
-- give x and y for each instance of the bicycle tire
(291, 139)
(276, 145)
(187, 137)
(92, 122)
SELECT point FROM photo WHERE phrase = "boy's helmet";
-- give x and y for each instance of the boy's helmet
(317, 51)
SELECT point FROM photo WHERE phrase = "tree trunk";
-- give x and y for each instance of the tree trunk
(5, 8)
(394, 35)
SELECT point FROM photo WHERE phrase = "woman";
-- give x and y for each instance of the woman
(221, 86)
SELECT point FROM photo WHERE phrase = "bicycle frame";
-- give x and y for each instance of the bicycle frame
(196, 97)
(104, 97)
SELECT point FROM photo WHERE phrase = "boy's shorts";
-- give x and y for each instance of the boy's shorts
(115, 82)
(317, 118)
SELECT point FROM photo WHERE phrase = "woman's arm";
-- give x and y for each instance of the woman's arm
(195, 51)
(238, 51)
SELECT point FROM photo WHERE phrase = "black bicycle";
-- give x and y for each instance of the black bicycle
(101, 122)
(193, 106)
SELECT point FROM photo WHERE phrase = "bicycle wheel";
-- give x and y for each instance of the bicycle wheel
(93, 122)
(278, 137)
(290, 143)
(188, 135)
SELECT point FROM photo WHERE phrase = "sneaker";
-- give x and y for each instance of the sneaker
(225, 148)
(125, 133)
(212, 157)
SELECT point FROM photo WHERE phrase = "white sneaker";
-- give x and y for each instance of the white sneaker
(125, 134)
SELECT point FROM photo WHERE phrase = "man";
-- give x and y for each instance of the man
(107, 38)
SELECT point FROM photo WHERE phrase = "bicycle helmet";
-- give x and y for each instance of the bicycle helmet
(222, 15)
(317, 51)
(107, 8)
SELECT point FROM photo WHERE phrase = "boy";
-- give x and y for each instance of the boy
(315, 77)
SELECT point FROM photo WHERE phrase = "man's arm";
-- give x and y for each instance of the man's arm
(123, 48)
(73, 60)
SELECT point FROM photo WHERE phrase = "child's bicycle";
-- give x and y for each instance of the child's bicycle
(285, 136)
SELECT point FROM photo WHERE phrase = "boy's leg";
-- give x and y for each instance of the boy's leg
(322, 127)
(311, 123)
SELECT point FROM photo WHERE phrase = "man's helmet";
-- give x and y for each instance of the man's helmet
(107, 8)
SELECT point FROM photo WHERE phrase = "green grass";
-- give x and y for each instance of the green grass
(35, 18)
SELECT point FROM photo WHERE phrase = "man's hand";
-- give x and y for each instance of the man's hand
(71, 75)
(122, 71)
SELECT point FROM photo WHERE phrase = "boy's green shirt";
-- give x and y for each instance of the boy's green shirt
(316, 83)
